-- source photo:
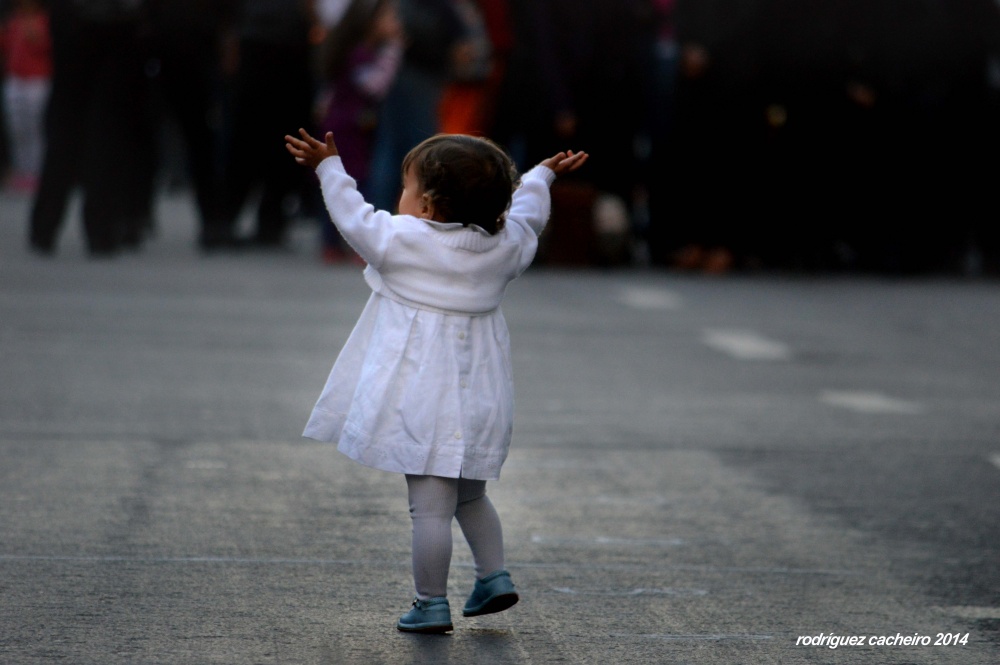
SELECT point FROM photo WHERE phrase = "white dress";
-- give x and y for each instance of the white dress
(418, 387)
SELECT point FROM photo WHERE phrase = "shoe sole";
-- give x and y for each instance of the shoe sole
(426, 628)
(493, 605)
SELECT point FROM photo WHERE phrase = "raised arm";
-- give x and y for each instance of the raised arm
(367, 230)
(532, 204)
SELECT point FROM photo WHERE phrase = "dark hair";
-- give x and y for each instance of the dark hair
(468, 178)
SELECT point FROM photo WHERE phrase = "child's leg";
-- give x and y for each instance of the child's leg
(481, 526)
(432, 508)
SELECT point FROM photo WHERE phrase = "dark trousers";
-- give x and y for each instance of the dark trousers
(187, 91)
(93, 138)
(272, 97)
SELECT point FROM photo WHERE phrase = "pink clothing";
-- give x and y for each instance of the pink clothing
(27, 45)
(357, 92)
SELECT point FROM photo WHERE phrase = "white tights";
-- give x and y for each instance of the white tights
(434, 502)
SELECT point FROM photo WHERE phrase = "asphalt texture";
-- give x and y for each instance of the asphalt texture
(725, 469)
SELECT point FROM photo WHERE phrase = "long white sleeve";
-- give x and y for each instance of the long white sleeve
(367, 230)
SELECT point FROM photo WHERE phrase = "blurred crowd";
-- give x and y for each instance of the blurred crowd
(725, 134)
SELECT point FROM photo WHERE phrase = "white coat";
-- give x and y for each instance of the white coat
(424, 384)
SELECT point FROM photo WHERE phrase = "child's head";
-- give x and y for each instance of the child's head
(469, 180)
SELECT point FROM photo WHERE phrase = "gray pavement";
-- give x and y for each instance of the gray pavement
(704, 470)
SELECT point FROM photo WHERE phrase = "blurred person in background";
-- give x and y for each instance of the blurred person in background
(576, 74)
(361, 57)
(478, 67)
(96, 131)
(720, 123)
(269, 71)
(661, 125)
(4, 141)
(919, 79)
(4, 132)
(185, 48)
(409, 112)
(26, 47)
(807, 121)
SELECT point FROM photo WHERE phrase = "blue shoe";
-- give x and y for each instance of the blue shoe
(493, 593)
(427, 616)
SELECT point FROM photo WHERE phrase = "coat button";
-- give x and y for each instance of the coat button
(458, 435)
(461, 335)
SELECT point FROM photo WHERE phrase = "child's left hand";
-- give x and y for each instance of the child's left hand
(565, 162)
(309, 151)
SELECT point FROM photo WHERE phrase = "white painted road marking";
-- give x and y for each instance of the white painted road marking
(649, 298)
(746, 345)
(995, 458)
(869, 402)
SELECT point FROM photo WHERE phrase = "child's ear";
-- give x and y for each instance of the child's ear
(427, 208)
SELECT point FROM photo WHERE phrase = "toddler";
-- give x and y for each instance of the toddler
(423, 385)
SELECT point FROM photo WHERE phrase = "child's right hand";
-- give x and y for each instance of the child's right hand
(564, 162)
(309, 151)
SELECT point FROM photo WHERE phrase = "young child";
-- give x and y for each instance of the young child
(423, 385)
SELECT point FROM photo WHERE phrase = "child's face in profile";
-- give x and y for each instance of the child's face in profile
(411, 201)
